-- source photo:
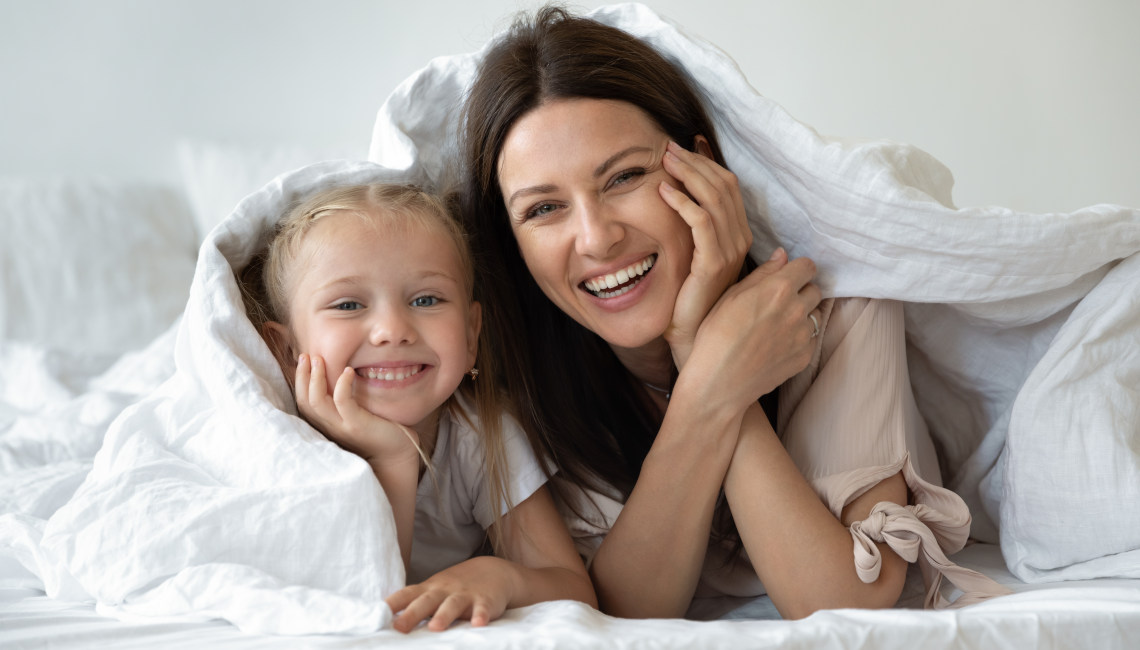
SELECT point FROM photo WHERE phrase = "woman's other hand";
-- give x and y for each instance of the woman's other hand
(712, 206)
(758, 334)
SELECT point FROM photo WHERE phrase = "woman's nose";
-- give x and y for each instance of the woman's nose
(598, 231)
(391, 328)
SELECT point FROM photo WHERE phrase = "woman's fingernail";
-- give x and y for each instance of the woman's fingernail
(776, 253)
(667, 187)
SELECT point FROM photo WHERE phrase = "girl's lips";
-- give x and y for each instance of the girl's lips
(612, 285)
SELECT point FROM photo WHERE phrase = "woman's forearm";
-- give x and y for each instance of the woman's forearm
(800, 551)
(649, 563)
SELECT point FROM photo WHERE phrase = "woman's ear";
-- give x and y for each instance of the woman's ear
(280, 342)
(702, 146)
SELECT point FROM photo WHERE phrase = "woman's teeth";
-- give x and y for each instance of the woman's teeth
(391, 374)
(615, 284)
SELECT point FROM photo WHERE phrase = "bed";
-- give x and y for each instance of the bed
(144, 501)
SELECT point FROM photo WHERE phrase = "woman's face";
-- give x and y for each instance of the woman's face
(580, 180)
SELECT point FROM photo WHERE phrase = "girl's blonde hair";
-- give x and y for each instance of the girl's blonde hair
(266, 286)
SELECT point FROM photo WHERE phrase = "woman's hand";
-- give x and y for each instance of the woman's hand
(712, 206)
(758, 334)
(478, 590)
(344, 421)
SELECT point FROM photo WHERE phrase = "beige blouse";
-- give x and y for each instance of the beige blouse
(849, 421)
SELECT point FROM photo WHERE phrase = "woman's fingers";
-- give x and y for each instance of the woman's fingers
(715, 190)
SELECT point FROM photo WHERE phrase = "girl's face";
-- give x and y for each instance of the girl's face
(392, 304)
(580, 181)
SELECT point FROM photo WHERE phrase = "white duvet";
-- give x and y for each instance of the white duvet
(209, 499)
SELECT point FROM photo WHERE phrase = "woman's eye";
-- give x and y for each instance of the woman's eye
(628, 176)
(348, 305)
(425, 301)
(542, 209)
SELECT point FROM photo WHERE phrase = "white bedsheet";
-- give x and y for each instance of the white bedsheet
(1101, 614)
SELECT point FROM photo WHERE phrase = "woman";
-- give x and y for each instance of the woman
(655, 362)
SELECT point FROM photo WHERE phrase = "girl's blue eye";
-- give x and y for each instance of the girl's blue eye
(348, 305)
(425, 301)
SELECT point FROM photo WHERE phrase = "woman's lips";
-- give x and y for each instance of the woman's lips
(612, 285)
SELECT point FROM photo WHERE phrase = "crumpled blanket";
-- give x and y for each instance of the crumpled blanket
(208, 497)
(1022, 329)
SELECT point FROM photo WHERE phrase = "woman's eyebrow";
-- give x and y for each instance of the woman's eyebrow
(527, 191)
(602, 168)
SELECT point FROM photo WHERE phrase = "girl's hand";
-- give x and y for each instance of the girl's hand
(344, 421)
(758, 334)
(478, 589)
(712, 206)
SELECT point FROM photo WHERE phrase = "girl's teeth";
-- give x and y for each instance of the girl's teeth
(390, 375)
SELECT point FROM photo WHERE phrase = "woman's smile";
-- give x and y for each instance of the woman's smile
(612, 285)
(590, 222)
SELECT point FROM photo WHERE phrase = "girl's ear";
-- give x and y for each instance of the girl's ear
(474, 324)
(702, 146)
(280, 342)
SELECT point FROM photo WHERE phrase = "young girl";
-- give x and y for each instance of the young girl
(372, 318)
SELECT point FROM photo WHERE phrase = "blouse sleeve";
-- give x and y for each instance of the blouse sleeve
(850, 421)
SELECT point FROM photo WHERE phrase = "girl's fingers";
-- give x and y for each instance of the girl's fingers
(301, 380)
(480, 613)
(398, 601)
(453, 607)
(342, 392)
(419, 609)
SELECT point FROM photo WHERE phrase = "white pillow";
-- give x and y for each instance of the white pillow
(92, 267)
(218, 176)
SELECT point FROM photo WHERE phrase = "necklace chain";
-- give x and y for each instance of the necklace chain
(667, 392)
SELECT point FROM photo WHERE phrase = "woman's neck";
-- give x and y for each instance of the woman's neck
(651, 363)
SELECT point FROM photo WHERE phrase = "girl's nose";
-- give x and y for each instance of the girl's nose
(391, 328)
(598, 231)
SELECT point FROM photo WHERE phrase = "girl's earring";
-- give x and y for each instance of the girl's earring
(473, 373)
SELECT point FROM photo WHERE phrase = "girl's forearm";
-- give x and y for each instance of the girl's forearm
(536, 585)
(399, 480)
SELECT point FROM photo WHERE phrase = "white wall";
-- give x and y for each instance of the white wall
(1032, 104)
